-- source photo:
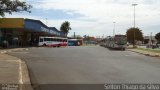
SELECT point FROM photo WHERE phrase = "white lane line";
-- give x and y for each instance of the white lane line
(20, 72)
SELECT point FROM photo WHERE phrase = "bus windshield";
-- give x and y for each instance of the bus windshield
(121, 40)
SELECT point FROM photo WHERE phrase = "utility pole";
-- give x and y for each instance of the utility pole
(46, 21)
(74, 35)
(134, 5)
(151, 39)
(114, 24)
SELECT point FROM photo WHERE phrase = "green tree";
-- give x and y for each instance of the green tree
(158, 37)
(65, 27)
(9, 6)
(134, 34)
(77, 37)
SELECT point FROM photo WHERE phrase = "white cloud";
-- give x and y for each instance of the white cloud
(107, 11)
(100, 14)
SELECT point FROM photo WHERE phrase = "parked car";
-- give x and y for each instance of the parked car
(153, 46)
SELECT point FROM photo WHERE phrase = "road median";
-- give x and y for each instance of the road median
(147, 52)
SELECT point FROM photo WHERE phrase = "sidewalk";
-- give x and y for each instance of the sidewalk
(3, 51)
(13, 71)
(9, 69)
(146, 52)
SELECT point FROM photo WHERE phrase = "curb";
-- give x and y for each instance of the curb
(26, 83)
(3, 52)
(13, 50)
(146, 54)
(24, 79)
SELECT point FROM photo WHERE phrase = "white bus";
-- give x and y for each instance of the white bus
(116, 42)
(52, 41)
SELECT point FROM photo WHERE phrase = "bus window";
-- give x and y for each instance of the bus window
(59, 40)
(45, 39)
(48, 39)
(41, 40)
(55, 39)
(52, 39)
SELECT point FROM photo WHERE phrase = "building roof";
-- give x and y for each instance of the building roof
(149, 37)
(38, 26)
(30, 25)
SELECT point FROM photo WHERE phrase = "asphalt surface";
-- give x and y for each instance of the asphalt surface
(89, 65)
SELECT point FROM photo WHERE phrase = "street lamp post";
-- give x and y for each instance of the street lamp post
(151, 40)
(46, 21)
(134, 5)
(114, 28)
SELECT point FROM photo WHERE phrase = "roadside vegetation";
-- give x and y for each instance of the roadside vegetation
(149, 50)
(65, 27)
(134, 34)
(158, 37)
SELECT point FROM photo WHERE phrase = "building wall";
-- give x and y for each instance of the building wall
(14, 37)
(11, 23)
(23, 32)
(150, 40)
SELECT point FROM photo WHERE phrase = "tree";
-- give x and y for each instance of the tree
(158, 37)
(77, 37)
(65, 27)
(131, 37)
(9, 6)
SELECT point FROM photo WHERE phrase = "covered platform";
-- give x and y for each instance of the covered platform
(20, 32)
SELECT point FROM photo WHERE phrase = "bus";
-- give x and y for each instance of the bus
(52, 41)
(75, 42)
(116, 42)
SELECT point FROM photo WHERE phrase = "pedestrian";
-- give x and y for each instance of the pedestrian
(78, 43)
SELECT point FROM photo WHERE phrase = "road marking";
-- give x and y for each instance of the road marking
(21, 52)
(20, 72)
(3, 52)
(10, 60)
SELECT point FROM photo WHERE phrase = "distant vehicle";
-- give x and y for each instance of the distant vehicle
(103, 43)
(158, 45)
(116, 42)
(154, 46)
(52, 41)
(75, 42)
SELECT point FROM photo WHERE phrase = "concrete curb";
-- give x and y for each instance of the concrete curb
(26, 83)
(12, 50)
(24, 79)
(146, 54)
(3, 52)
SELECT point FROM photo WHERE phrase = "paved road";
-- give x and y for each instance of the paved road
(88, 65)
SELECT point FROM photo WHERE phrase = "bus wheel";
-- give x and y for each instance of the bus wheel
(44, 44)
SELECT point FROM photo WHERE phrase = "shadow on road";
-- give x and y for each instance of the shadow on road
(114, 49)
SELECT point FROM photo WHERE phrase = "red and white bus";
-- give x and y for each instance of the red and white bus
(52, 41)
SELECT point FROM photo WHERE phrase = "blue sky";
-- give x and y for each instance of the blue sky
(96, 17)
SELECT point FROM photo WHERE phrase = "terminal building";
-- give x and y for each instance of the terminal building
(20, 32)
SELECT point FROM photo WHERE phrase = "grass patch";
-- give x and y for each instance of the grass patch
(149, 50)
